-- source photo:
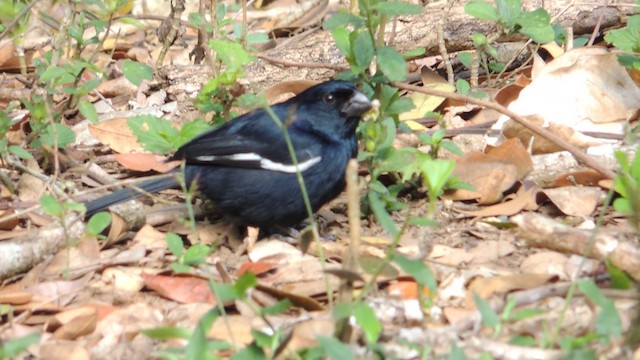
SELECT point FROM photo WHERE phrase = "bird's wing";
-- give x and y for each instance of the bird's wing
(252, 141)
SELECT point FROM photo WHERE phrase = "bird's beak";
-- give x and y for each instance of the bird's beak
(356, 106)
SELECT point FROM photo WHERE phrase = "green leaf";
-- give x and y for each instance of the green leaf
(508, 10)
(341, 38)
(251, 352)
(196, 254)
(381, 214)
(423, 221)
(50, 205)
(168, 332)
(88, 111)
(363, 50)
(368, 321)
(98, 222)
(257, 38)
(175, 244)
(20, 152)
(418, 270)
(628, 38)
(523, 340)
(592, 292)
(619, 279)
(335, 349)
(154, 134)
(197, 346)
(244, 283)
(489, 316)
(392, 63)
(278, 308)
(481, 10)
(536, 25)
(224, 292)
(231, 53)
(608, 322)
(190, 130)
(463, 87)
(397, 8)
(12, 348)
(466, 58)
(135, 72)
(436, 174)
(59, 132)
(341, 20)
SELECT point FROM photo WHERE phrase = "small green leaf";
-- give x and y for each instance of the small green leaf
(135, 72)
(10, 349)
(608, 322)
(251, 351)
(418, 270)
(244, 283)
(20, 152)
(335, 349)
(481, 10)
(436, 174)
(392, 63)
(508, 10)
(278, 308)
(50, 205)
(168, 332)
(398, 8)
(381, 214)
(197, 346)
(57, 134)
(363, 50)
(619, 279)
(224, 292)
(466, 58)
(489, 316)
(368, 321)
(98, 222)
(196, 254)
(463, 87)
(88, 111)
(175, 244)
(154, 134)
(257, 38)
(341, 38)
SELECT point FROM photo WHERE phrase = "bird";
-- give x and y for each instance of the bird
(246, 169)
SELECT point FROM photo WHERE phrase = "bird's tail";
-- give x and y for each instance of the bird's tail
(149, 186)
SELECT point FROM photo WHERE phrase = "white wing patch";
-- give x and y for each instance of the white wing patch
(264, 163)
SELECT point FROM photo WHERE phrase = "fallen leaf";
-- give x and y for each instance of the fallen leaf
(117, 135)
(574, 200)
(183, 289)
(145, 162)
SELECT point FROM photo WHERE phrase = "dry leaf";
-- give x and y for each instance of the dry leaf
(499, 285)
(116, 134)
(145, 162)
(525, 199)
(183, 289)
(574, 200)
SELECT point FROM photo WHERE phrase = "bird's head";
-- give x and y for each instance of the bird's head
(335, 106)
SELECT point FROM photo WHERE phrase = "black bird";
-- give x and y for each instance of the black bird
(245, 167)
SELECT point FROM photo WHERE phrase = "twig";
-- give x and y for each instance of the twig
(575, 151)
(302, 64)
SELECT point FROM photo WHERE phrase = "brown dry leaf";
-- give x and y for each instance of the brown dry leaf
(498, 285)
(70, 260)
(151, 238)
(305, 334)
(119, 86)
(6, 52)
(235, 329)
(493, 173)
(513, 152)
(15, 297)
(524, 199)
(283, 90)
(449, 255)
(63, 350)
(490, 251)
(583, 177)
(125, 278)
(183, 289)
(30, 188)
(62, 291)
(405, 289)
(454, 314)
(585, 89)
(425, 103)
(10, 224)
(145, 162)
(541, 145)
(301, 301)
(73, 323)
(574, 200)
(257, 268)
(546, 262)
(508, 94)
(116, 134)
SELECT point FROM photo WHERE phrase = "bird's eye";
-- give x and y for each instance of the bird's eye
(329, 99)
